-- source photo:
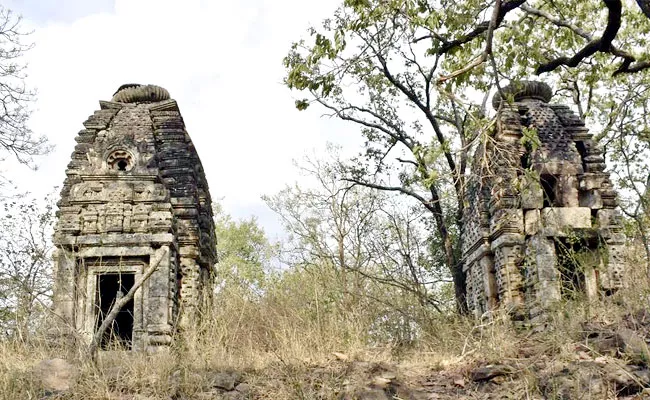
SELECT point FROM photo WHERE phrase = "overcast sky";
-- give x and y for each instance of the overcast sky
(222, 62)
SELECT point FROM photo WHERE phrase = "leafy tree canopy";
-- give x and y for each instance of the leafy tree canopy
(245, 253)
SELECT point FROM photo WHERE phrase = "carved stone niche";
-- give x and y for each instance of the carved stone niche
(149, 192)
(92, 192)
(120, 160)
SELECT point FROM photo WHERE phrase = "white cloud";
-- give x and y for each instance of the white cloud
(222, 62)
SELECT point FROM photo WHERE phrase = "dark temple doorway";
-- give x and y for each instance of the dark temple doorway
(110, 287)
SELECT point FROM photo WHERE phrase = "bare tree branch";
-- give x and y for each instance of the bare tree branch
(602, 44)
(484, 26)
(497, 16)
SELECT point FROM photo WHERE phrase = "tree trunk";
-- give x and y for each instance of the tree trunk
(457, 274)
(451, 260)
(460, 289)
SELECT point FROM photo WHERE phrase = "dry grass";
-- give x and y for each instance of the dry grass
(16, 361)
(283, 346)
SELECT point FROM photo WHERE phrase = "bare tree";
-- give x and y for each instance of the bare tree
(25, 264)
(16, 138)
(363, 236)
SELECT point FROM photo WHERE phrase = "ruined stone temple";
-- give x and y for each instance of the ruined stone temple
(541, 222)
(135, 196)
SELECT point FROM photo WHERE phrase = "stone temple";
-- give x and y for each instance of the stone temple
(135, 194)
(541, 223)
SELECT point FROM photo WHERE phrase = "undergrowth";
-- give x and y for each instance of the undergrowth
(286, 346)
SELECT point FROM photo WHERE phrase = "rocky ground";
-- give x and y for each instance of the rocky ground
(602, 361)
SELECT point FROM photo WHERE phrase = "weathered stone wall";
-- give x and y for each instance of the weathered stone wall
(538, 187)
(135, 184)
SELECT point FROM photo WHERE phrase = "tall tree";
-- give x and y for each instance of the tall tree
(415, 75)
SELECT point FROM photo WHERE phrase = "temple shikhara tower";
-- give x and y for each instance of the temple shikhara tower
(135, 196)
(541, 223)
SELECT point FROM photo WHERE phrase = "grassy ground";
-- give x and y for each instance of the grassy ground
(279, 353)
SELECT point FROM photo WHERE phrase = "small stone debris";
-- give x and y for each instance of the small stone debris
(55, 375)
(488, 372)
(225, 380)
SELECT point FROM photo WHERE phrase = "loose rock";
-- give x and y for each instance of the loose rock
(55, 375)
(488, 372)
(225, 380)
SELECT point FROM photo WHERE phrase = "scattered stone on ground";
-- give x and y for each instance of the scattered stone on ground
(224, 380)
(488, 372)
(604, 361)
(54, 375)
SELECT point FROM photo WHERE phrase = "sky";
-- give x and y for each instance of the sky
(221, 61)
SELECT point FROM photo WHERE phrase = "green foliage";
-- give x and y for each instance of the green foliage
(530, 139)
(245, 253)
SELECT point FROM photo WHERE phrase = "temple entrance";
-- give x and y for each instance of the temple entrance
(577, 261)
(110, 287)
(570, 267)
